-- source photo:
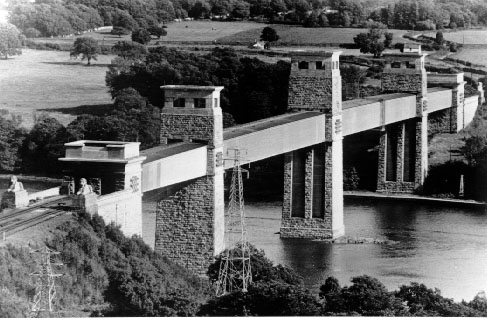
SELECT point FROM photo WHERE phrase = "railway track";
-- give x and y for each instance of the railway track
(28, 217)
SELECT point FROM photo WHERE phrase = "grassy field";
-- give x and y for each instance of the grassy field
(50, 80)
(295, 35)
(231, 32)
(466, 36)
(474, 55)
(186, 31)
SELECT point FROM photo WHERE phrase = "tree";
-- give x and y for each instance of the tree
(311, 21)
(11, 139)
(130, 50)
(32, 33)
(241, 10)
(118, 30)
(44, 145)
(87, 47)
(388, 39)
(269, 35)
(370, 42)
(157, 31)
(141, 36)
(265, 299)
(262, 269)
(10, 42)
(439, 39)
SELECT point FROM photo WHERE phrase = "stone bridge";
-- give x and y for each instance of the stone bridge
(190, 222)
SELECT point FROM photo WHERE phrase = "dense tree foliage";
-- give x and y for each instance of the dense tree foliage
(106, 266)
(12, 137)
(44, 145)
(253, 89)
(141, 36)
(87, 47)
(10, 41)
(52, 18)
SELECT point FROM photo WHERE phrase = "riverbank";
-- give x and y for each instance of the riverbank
(413, 198)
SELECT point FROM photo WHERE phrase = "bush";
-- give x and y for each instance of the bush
(265, 299)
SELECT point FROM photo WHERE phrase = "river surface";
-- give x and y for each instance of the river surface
(441, 247)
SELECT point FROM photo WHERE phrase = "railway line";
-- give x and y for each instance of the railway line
(33, 215)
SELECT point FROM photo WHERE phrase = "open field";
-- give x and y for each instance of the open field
(50, 80)
(296, 35)
(236, 32)
(465, 36)
(186, 31)
(206, 30)
(474, 55)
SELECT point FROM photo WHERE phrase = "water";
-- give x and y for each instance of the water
(439, 246)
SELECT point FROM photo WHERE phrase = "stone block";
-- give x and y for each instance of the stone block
(86, 203)
(18, 199)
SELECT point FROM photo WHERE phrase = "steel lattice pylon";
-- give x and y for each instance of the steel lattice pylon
(235, 272)
(45, 285)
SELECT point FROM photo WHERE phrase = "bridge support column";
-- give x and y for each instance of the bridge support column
(403, 156)
(190, 224)
(313, 192)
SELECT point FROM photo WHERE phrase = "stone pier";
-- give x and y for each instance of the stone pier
(313, 178)
(403, 146)
(190, 223)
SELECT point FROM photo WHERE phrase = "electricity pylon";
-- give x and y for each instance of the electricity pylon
(45, 291)
(235, 272)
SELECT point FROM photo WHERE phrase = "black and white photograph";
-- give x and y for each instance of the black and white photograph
(165, 158)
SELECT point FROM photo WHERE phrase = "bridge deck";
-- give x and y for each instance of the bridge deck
(375, 111)
(275, 135)
(171, 164)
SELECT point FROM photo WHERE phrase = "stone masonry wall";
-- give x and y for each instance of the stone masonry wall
(187, 126)
(312, 92)
(307, 227)
(443, 121)
(184, 225)
(398, 185)
(398, 82)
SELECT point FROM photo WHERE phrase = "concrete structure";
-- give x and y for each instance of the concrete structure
(189, 164)
(114, 170)
(17, 199)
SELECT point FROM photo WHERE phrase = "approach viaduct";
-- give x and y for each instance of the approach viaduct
(190, 223)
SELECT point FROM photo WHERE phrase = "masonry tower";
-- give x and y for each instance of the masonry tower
(190, 224)
(403, 151)
(313, 181)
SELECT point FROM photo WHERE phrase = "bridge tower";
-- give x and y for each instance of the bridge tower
(190, 224)
(403, 150)
(313, 180)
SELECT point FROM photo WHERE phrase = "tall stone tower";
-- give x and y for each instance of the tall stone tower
(190, 224)
(403, 151)
(313, 180)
